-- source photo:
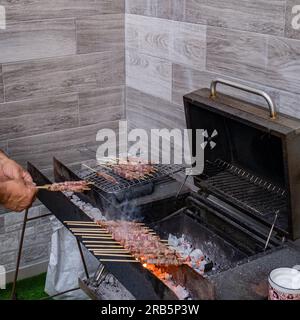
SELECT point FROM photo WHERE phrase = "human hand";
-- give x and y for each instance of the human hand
(9, 169)
(17, 195)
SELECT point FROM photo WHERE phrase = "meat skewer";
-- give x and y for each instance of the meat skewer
(103, 175)
(130, 168)
(67, 186)
(144, 246)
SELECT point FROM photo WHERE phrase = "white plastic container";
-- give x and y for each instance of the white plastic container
(284, 284)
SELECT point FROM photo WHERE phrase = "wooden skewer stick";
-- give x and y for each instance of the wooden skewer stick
(83, 223)
(84, 165)
(90, 231)
(88, 228)
(118, 261)
(93, 236)
(105, 236)
(45, 187)
(112, 255)
(101, 246)
(100, 242)
(108, 250)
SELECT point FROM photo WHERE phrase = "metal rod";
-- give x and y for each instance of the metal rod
(99, 274)
(271, 231)
(39, 217)
(60, 293)
(83, 260)
(14, 288)
(181, 187)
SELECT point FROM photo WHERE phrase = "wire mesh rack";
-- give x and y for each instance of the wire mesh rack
(245, 189)
(161, 171)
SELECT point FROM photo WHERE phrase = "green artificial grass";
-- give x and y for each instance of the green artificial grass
(28, 289)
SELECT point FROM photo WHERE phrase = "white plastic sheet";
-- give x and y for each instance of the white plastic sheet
(65, 265)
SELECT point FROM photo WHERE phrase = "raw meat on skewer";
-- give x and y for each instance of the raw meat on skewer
(143, 245)
(68, 186)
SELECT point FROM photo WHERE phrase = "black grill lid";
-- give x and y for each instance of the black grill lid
(253, 162)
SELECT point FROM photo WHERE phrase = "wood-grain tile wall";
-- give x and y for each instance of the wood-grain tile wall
(252, 42)
(62, 75)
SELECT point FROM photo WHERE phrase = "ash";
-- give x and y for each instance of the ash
(193, 256)
(88, 209)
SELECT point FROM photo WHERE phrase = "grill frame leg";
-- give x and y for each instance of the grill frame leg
(14, 288)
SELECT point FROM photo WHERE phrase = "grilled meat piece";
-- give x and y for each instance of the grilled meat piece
(70, 186)
(132, 172)
(107, 177)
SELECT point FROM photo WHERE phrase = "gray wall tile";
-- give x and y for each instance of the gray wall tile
(284, 64)
(189, 44)
(3, 146)
(170, 9)
(167, 9)
(186, 80)
(292, 19)
(263, 16)
(8, 240)
(100, 33)
(1, 86)
(36, 253)
(45, 9)
(101, 105)
(289, 104)
(64, 144)
(149, 74)
(29, 117)
(154, 36)
(37, 39)
(179, 42)
(132, 30)
(235, 53)
(62, 75)
(146, 111)
(141, 7)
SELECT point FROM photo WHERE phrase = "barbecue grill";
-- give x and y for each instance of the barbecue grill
(246, 209)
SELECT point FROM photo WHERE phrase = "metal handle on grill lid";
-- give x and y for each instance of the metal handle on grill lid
(271, 103)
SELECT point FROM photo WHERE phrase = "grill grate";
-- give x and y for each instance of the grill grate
(247, 190)
(161, 172)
